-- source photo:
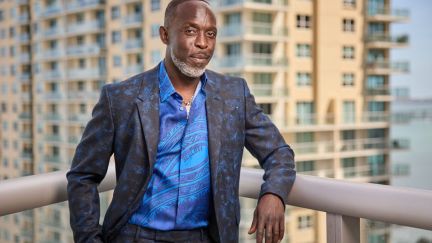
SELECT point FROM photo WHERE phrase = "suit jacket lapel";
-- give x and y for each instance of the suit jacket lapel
(148, 109)
(214, 107)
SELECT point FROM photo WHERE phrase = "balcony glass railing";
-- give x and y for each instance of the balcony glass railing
(132, 19)
(383, 90)
(363, 144)
(260, 29)
(387, 11)
(400, 39)
(81, 4)
(85, 73)
(133, 43)
(388, 66)
(53, 116)
(223, 3)
(89, 49)
(255, 60)
(87, 26)
(264, 90)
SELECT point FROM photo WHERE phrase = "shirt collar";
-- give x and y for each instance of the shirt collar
(166, 88)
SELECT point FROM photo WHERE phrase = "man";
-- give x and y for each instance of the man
(177, 133)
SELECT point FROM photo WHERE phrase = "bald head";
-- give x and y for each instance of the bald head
(170, 11)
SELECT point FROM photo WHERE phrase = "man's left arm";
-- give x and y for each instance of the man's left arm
(265, 143)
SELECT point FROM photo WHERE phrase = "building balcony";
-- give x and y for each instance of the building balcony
(386, 14)
(23, 18)
(254, 62)
(53, 96)
(26, 135)
(85, 73)
(53, 138)
(256, 32)
(344, 202)
(79, 117)
(133, 69)
(363, 145)
(50, 75)
(22, 2)
(73, 140)
(25, 115)
(133, 44)
(53, 159)
(386, 41)
(53, 117)
(89, 49)
(48, 11)
(132, 19)
(268, 91)
(366, 173)
(274, 5)
(386, 67)
(83, 95)
(50, 54)
(24, 57)
(26, 155)
(53, 32)
(84, 27)
(79, 5)
(23, 38)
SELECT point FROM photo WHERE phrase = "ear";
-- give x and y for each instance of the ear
(163, 34)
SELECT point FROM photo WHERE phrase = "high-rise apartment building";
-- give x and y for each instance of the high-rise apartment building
(319, 68)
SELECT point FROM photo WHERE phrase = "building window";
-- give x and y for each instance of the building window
(348, 25)
(303, 79)
(348, 112)
(304, 21)
(266, 108)
(305, 113)
(115, 37)
(154, 30)
(115, 12)
(304, 222)
(82, 108)
(349, 3)
(348, 52)
(261, 48)
(303, 50)
(233, 49)
(349, 167)
(81, 63)
(117, 62)
(348, 79)
(305, 166)
(232, 18)
(155, 5)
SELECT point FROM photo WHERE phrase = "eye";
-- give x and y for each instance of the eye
(211, 34)
(190, 31)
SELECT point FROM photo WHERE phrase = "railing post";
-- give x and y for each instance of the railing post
(342, 229)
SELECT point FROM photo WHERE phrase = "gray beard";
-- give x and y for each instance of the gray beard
(185, 68)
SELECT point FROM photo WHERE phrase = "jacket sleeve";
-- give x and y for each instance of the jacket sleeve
(264, 142)
(89, 166)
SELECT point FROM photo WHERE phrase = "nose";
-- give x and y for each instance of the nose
(201, 40)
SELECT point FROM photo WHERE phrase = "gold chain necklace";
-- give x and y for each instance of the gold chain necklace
(189, 102)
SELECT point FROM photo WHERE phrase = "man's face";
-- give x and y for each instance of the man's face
(192, 37)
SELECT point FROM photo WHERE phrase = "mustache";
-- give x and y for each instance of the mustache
(201, 55)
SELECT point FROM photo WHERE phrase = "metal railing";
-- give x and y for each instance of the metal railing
(345, 202)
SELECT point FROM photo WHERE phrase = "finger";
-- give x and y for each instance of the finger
(281, 227)
(253, 225)
(260, 230)
(276, 231)
(268, 232)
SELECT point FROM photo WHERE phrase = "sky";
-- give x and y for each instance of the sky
(419, 51)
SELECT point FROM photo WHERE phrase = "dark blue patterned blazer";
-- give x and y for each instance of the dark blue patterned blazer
(125, 121)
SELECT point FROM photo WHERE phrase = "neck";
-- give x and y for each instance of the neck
(182, 84)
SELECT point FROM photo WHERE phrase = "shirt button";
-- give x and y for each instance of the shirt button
(181, 108)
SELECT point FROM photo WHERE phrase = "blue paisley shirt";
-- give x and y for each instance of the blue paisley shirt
(178, 194)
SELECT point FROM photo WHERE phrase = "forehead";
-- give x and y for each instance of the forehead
(194, 12)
